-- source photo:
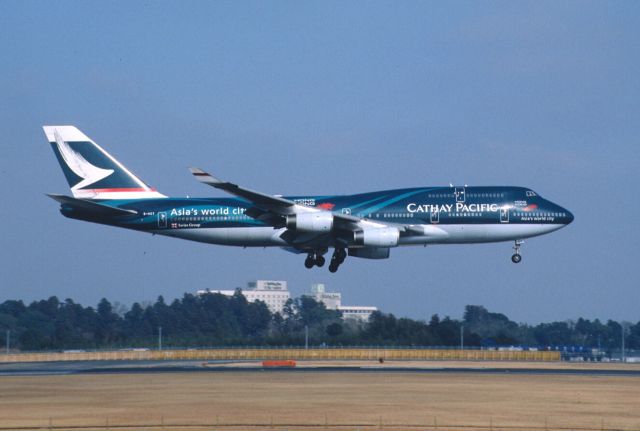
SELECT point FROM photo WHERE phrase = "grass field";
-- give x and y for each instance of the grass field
(448, 364)
(332, 400)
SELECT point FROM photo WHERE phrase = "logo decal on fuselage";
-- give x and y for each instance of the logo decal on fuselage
(448, 208)
(326, 206)
(310, 202)
(206, 212)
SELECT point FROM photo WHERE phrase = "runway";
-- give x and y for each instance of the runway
(146, 367)
(103, 395)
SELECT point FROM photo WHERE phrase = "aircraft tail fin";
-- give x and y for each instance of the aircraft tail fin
(91, 172)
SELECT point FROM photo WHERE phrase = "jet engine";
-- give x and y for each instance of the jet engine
(377, 237)
(310, 222)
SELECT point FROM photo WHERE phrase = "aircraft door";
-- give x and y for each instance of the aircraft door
(460, 194)
(504, 215)
(435, 217)
(162, 220)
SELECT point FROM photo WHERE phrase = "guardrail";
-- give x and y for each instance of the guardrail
(295, 354)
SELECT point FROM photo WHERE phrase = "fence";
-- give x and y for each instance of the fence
(295, 354)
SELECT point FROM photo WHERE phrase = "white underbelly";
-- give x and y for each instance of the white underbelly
(239, 236)
(434, 234)
(476, 233)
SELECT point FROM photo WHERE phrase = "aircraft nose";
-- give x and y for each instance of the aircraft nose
(569, 217)
(565, 216)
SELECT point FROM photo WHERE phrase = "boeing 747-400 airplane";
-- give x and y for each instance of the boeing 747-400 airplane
(365, 225)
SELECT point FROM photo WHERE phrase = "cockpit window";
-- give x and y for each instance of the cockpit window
(531, 193)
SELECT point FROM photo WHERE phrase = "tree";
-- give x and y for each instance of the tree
(217, 320)
(553, 334)
(313, 312)
(334, 329)
(136, 325)
(493, 328)
(108, 323)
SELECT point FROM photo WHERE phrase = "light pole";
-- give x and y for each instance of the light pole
(306, 337)
(624, 359)
(8, 340)
(159, 337)
(461, 337)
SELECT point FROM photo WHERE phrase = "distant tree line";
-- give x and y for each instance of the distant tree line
(217, 320)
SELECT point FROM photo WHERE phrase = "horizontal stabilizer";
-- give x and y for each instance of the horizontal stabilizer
(91, 207)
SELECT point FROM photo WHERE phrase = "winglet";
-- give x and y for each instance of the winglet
(205, 177)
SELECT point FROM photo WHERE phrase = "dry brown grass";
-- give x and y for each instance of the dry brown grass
(448, 364)
(313, 398)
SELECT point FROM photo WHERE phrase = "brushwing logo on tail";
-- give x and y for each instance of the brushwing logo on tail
(89, 173)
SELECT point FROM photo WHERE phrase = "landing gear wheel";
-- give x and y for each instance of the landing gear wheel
(516, 258)
(315, 258)
(309, 262)
(339, 255)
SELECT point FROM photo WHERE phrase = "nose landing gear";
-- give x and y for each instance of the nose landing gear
(516, 258)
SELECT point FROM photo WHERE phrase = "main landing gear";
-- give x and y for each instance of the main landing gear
(516, 258)
(339, 255)
(314, 259)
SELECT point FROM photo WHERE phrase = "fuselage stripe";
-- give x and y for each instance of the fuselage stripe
(120, 190)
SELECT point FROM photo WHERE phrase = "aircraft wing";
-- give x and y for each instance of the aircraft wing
(268, 208)
(262, 201)
(274, 209)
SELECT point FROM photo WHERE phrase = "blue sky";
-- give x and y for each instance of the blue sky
(330, 98)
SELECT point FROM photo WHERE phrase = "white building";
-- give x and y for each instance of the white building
(333, 301)
(273, 293)
(361, 312)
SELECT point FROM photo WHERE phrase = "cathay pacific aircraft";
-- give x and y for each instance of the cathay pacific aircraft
(365, 225)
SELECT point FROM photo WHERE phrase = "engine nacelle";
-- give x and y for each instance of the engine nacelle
(377, 237)
(310, 222)
(370, 252)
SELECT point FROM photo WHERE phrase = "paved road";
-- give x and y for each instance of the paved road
(139, 367)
